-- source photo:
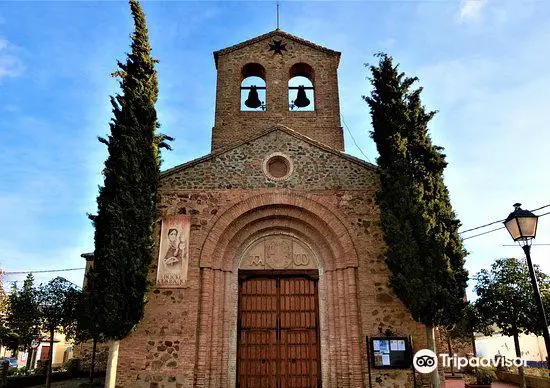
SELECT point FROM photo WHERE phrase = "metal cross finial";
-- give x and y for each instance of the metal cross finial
(277, 15)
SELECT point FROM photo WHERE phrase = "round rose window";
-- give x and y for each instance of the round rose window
(277, 166)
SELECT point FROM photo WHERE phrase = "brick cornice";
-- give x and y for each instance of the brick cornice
(270, 34)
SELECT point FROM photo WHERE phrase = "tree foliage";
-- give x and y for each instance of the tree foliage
(470, 322)
(23, 314)
(58, 302)
(505, 297)
(424, 251)
(8, 338)
(127, 200)
(506, 300)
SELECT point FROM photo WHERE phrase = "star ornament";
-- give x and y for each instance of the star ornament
(277, 47)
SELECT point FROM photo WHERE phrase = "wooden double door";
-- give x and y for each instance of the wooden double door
(278, 331)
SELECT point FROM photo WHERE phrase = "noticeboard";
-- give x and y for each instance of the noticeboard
(390, 352)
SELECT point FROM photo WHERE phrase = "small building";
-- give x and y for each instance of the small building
(62, 351)
(532, 347)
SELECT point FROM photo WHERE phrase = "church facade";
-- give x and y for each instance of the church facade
(269, 269)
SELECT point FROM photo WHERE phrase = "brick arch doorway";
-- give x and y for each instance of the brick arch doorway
(278, 336)
(315, 225)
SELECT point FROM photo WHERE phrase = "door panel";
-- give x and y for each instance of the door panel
(278, 333)
(257, 351)
(298, 333)
(45, 353)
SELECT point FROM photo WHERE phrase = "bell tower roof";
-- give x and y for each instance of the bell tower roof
(275, 33)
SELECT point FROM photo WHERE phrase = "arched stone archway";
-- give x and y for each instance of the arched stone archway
(309, 224)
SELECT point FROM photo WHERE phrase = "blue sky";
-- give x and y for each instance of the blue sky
(483, 65)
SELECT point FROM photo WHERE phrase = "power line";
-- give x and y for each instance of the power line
(481, 234)
(515, 245)
(41, 271)
(482, 226)
(542, 207)
(352, 138)
(496, 222)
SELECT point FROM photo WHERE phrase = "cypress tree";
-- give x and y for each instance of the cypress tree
(127, 200)
(424, 251)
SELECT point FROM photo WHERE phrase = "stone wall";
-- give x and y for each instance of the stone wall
(83, 351)
(314, 168)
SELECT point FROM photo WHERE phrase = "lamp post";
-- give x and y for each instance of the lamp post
(522, 226)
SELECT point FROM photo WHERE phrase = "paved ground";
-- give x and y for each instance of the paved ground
(460, 384)
(73, 383)
(448, 384)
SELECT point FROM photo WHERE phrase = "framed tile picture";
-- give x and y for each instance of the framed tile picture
(173, 260)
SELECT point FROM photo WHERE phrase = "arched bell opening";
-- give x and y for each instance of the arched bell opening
(301, 90)
(253, 88)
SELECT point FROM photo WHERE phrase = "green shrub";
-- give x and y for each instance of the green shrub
(41, 367)
(12, 371)
(72, 365)
(501, 363)
(470, 370)
(23, 371)
(485, 375)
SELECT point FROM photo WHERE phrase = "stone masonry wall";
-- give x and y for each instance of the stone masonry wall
(241, 167)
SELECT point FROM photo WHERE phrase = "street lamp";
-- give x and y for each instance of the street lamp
(522, 226)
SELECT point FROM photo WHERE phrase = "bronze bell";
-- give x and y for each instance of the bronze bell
(253, 101)
(301, 100)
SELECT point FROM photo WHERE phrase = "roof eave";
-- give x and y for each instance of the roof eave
(264, 36)
(270, 129)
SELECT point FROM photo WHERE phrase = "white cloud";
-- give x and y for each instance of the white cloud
(10, 64)
(471, 9)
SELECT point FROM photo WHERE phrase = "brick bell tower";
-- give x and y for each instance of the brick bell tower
(277, 65)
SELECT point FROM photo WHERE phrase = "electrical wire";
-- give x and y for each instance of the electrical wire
(464, 231)
(502, 227)
(482, 226)
(352, 138)
(496, 222)
(481, 234)
(41, 271)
